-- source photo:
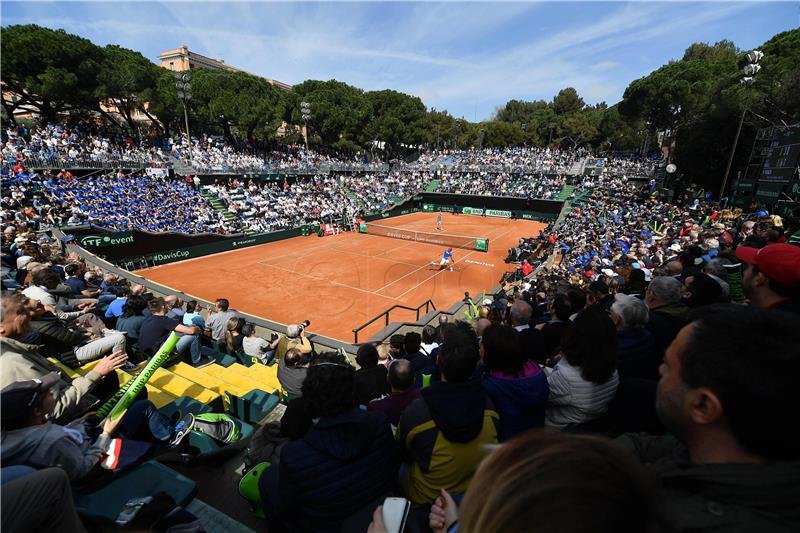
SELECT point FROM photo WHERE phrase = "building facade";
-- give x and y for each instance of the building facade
(182, 59)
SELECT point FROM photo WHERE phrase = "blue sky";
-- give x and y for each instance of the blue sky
(468, 58)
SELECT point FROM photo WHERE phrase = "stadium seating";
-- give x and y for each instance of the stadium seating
(144, 480)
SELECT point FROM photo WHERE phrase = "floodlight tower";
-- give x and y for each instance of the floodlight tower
(305, 112)
(750, 70)
(185, 95)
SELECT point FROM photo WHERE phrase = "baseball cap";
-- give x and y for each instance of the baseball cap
(779, 262)
(17, 399)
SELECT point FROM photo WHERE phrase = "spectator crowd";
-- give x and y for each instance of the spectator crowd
(639, 378)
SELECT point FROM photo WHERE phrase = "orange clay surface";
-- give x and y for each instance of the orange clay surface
(340, 282)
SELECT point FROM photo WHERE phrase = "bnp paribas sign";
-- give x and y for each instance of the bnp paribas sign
(109, 239)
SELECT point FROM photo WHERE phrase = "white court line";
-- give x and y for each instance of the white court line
(329, 281)
(445, 270)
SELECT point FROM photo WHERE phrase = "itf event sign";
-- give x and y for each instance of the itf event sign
(108, 239)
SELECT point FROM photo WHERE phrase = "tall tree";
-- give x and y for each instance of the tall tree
(47, 71)
(339, 112)
(124, 80)
(397, 119)
(567, 102)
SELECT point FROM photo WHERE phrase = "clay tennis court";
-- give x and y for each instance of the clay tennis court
(339, 282)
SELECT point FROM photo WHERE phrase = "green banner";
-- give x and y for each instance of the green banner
(106, 240)
(472, 211)
(482, 245)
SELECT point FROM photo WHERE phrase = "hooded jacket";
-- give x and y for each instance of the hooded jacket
(717, 498)
(445, 433)
(49, 445)
(520, 402)
(343, 463)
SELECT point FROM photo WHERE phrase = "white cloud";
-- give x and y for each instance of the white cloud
(452, 55)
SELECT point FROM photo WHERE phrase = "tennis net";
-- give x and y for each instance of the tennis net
(442, 239)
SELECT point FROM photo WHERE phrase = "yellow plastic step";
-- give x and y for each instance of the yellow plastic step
(244, 382)
(208, 381)
(179, 386)
(265, 376)
(154, 394)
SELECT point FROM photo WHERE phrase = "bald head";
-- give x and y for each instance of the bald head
(137, 290)
(401, 375)
(674, 268)
(521, 313)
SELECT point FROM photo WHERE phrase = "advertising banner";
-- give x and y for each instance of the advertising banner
(105, 240)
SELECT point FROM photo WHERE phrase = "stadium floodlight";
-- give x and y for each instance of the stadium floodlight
(305, 114)
(755, 56)
(750, 70)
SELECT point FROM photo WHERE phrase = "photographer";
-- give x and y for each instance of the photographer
(258, 347)
(295, 338)
(292, 370)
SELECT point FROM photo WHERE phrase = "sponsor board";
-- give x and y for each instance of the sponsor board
(498, 213)
(243, 242)
(109, 239)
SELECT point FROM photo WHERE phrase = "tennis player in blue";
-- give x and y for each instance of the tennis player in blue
(447, 260)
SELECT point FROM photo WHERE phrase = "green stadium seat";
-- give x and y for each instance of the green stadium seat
(253, 406)
(221, 358)
(144, 480)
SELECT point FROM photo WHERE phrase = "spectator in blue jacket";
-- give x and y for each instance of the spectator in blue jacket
(342, 464)
(516, 385)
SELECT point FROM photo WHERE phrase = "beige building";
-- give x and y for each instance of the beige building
(182, 59)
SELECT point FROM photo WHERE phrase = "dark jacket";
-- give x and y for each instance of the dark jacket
(665, 322)
(343, 463)
(637, 356)
(533, 345)
(55, 336)
(422, 364)
(551, 333)
(720, 498)
(370, 383)
(519, 402)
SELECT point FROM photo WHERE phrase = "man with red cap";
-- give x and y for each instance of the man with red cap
(772, 276)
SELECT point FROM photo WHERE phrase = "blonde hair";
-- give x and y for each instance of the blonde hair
(560, 483)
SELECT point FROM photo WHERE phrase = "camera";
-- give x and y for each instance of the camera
(304, 324)
(273, 337)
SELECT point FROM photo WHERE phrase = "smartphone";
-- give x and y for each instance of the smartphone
(395, 514)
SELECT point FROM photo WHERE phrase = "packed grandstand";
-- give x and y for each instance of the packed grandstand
(574, 338)
(632, 370)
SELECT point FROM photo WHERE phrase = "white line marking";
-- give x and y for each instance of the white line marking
(326, 280)
(481, 263)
